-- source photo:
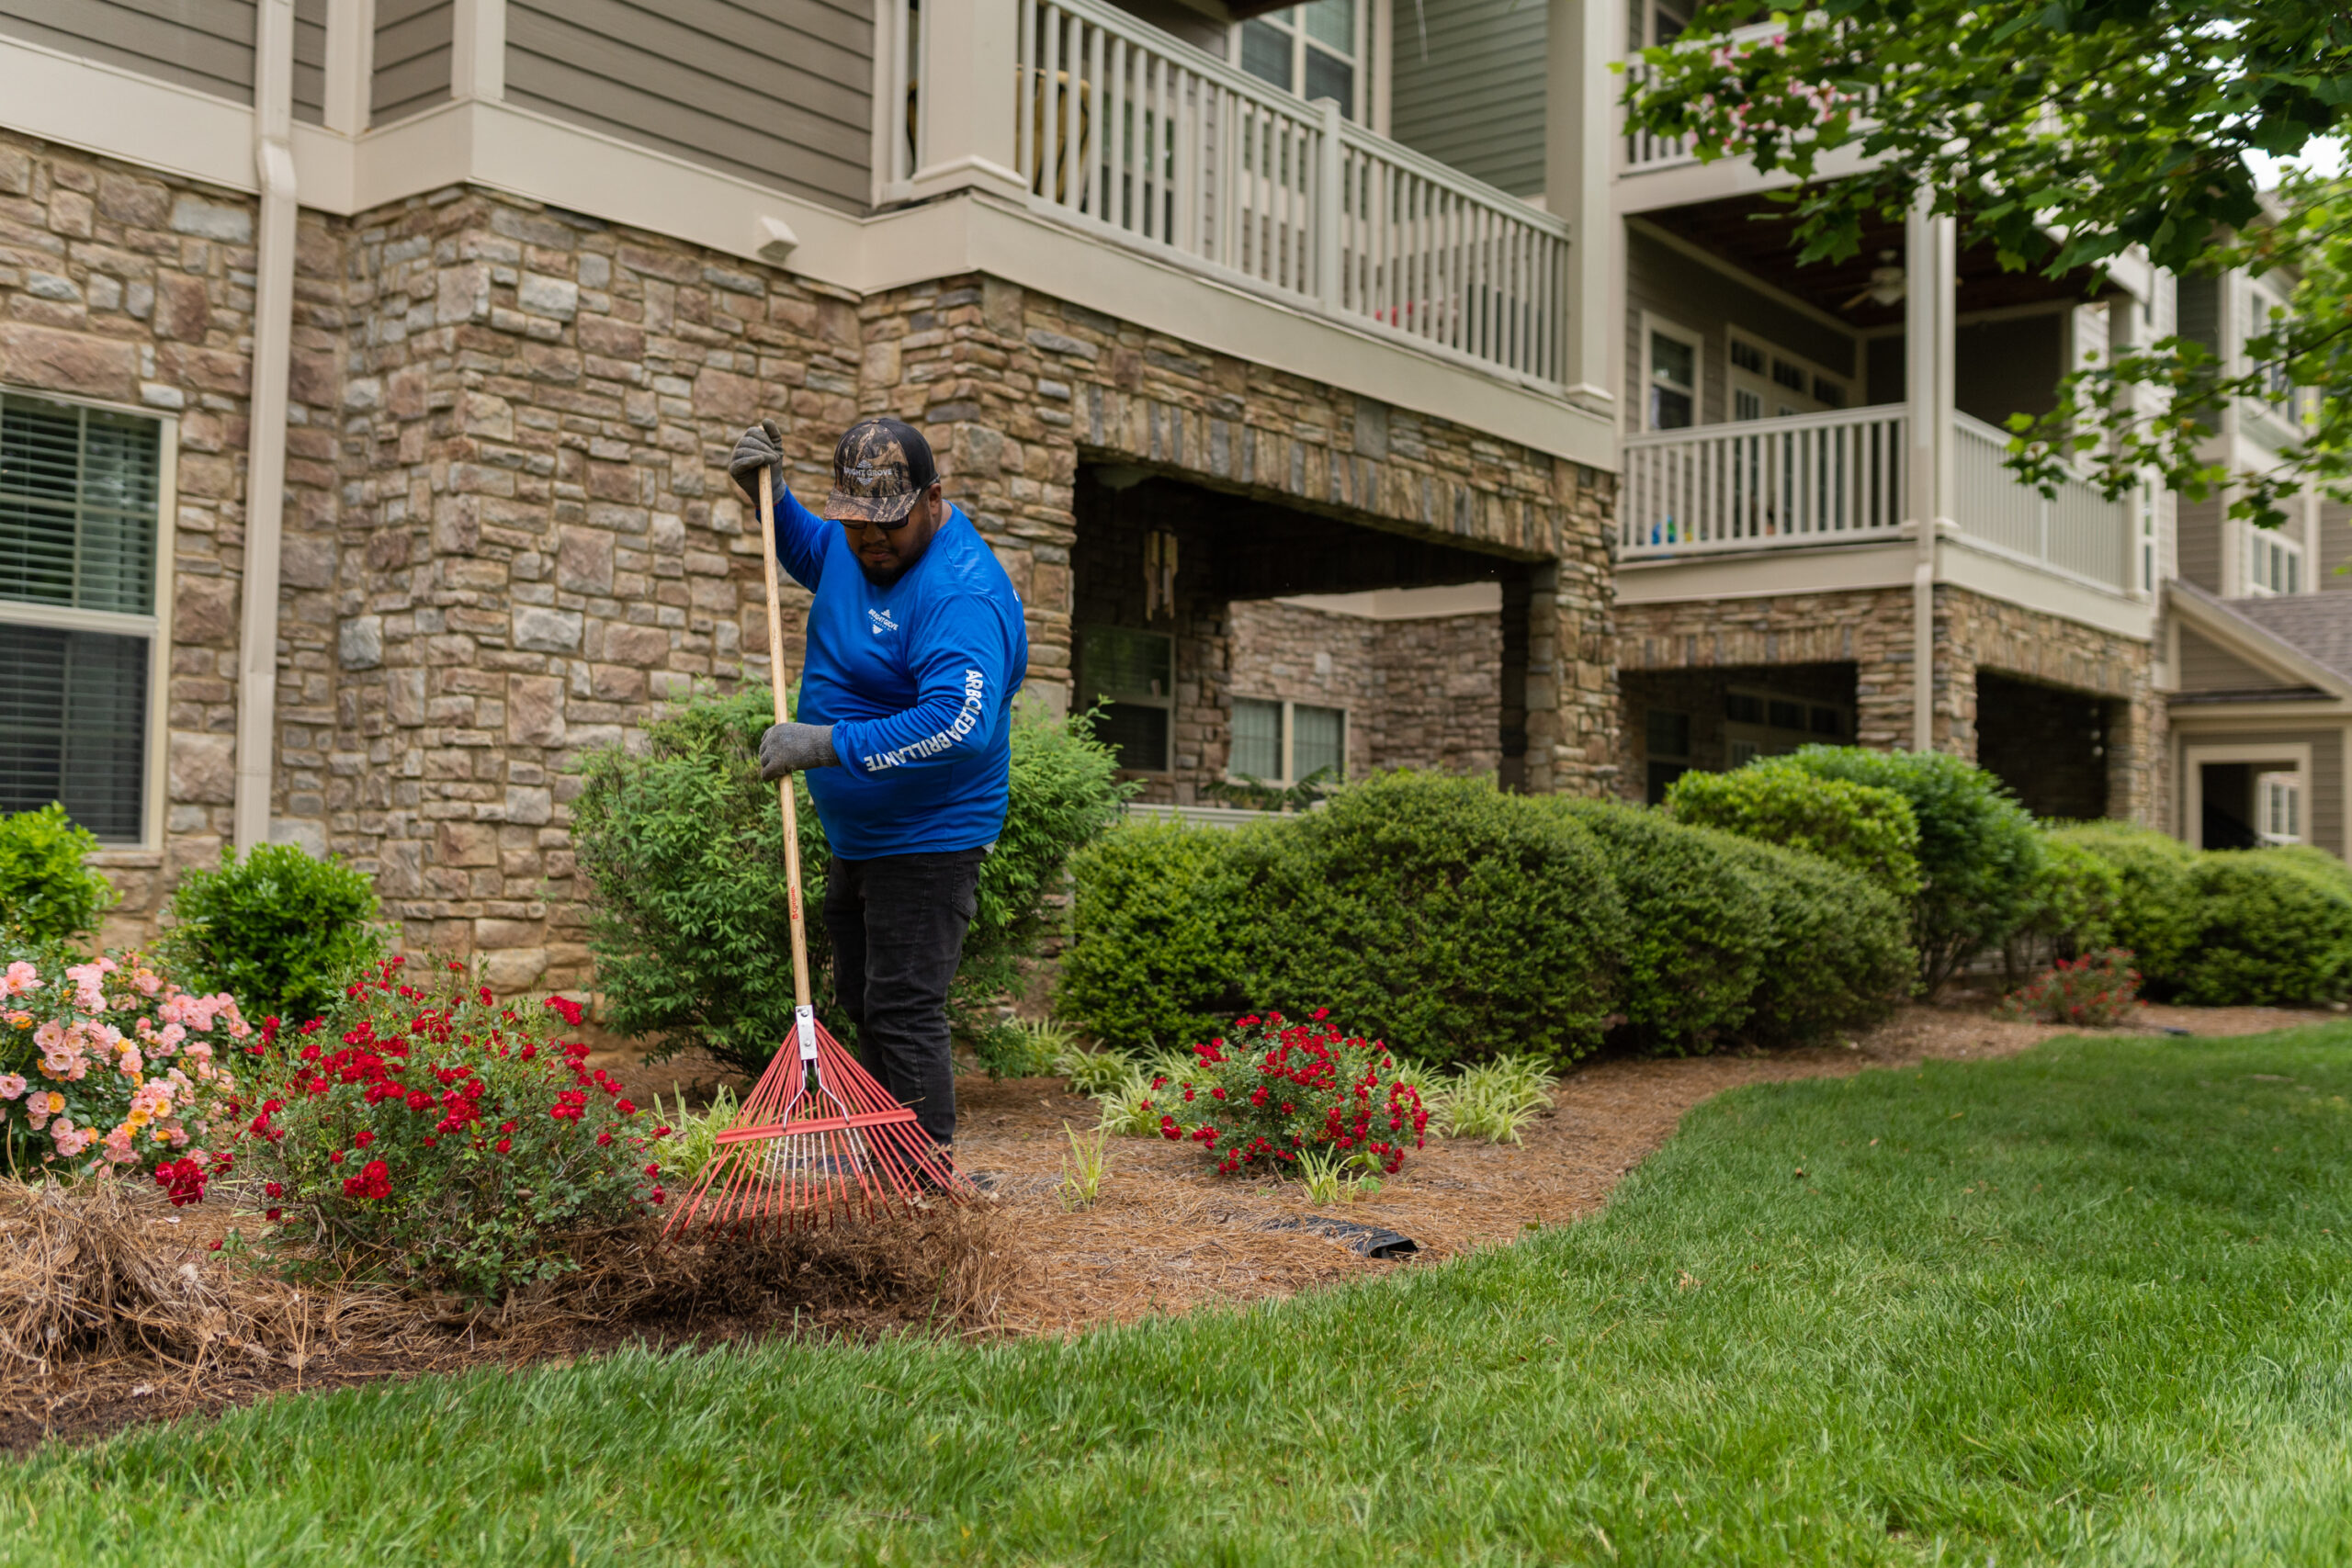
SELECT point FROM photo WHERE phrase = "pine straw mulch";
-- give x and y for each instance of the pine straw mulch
(114, 1310)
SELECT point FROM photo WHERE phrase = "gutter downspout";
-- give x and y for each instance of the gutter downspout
(265, 453)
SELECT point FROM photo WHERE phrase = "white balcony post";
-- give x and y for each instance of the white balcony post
(1931, 269)
(351, 47)
(478, 50)
(1579, 152)
(966, 86)
(1328, 204)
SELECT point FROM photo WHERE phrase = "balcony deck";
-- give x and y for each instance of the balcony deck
(1130, 134)
(1840, 479)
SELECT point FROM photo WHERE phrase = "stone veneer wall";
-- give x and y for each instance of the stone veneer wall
(509, 538)
(1871, 629)
(123, 286)
(1423, 692)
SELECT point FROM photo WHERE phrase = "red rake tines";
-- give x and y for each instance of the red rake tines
(815, 1148)
(818, 1140)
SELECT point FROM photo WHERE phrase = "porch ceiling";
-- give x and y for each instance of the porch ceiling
(1755, 233)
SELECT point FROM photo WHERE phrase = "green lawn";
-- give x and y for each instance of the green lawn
(2088, 1304)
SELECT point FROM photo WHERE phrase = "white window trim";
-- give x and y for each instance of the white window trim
(1369, 109)
(2258, 543)
(2264, 784)
(1655, 323)
(1814, 369)
(155, 628)
(2295, 755)
(1290, 737)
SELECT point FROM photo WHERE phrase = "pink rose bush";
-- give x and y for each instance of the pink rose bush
(108, 1065)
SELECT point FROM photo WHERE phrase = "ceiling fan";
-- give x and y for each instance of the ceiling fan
(1886, 286)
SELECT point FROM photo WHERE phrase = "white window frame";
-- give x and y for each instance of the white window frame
(1290, 737)
(2274, 562)
(2270, 757)
(2279, 807)
(1814, 373)
(1286, 20)
(1660, 326)
(156, 626)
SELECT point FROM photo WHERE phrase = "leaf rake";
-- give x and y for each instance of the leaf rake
(817, 1142)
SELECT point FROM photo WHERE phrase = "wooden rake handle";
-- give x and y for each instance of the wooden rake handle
(804, 1014)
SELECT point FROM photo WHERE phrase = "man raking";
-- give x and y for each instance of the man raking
(915, 648)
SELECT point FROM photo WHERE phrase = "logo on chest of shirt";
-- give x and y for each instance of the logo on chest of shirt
(879, 621)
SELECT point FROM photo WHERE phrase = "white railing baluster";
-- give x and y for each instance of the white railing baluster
(1758, 484)
(1117, 123)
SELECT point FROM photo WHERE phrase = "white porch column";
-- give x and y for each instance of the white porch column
(351, 51)
(265, 456)
(478, 50)
(1580, 156)
(964, 97)
(1930, 267)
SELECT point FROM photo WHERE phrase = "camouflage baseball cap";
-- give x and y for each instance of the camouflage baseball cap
(879, 469)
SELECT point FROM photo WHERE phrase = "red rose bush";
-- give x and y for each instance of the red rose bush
(462, 1142)
(1271, 1091)
(2097, 988)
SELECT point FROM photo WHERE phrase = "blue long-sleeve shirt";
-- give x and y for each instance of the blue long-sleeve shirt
(917, 680)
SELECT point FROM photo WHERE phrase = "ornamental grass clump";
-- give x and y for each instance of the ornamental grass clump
(2097, 988)
(108, 1065)
(432, 1134)
(1270, 1093)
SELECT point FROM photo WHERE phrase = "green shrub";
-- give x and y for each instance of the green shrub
(2270, 929)
(1022, 1047)
(281, 932)
(1839, 956)
(2153, 916)
(2072, 909)
(1442, 916)
(683, 845)
(1163, 933)
(1980, 853)
(1861, 827)
(1697, 926)
(47, 894)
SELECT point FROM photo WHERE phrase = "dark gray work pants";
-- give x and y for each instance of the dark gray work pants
(897, 926)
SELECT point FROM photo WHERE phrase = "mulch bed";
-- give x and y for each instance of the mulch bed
(1168, 1235)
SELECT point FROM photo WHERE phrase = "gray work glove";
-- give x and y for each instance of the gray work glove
(761, 446)
(790, 747)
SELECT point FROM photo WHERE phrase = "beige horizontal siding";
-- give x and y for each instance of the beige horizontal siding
(204, 44)
(2196, 536)
(311, 60)
(2206, 667)
(1466, 87)
(778, 91)
(411, 66)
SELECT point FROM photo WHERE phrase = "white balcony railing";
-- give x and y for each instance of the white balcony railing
(2078, 532)
(1813, 480)
(1830, 478)
(1120, 127)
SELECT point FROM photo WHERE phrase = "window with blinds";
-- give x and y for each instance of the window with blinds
(1281, 742)
(80, 490)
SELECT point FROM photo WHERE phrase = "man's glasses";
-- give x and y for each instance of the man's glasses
(859, 524)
